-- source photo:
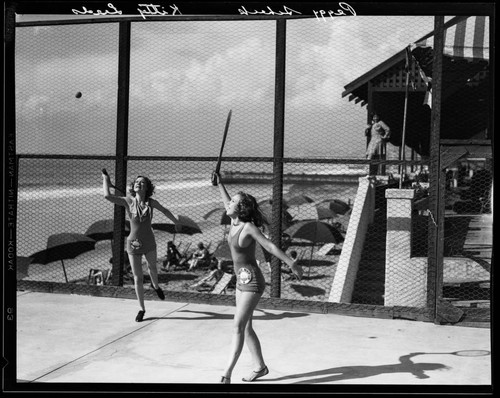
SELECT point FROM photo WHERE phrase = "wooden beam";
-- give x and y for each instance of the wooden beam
(278, 152)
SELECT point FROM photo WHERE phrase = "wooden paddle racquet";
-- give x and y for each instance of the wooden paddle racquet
(219, 161)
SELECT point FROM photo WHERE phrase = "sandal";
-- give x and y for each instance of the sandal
(225, 380)
(140, 316)
(255, 375)
(159, 292)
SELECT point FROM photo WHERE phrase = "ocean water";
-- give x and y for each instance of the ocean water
(65, 195)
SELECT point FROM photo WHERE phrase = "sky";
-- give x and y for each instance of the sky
(186, 76)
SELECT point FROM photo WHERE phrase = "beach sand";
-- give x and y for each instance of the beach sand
(76, 208)
(315, 284)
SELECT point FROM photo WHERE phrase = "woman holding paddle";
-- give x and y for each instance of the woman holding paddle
(139, 205)
(246, 219)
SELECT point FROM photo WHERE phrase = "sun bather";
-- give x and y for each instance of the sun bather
(199, 257)
(209, 281)
(172, 257)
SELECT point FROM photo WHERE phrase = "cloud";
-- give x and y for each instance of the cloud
(34, 104)
(243, 72)
(354, 46)
(184, 74)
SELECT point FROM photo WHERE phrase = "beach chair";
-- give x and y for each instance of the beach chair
(99, 277)
(287, 273)
(186, 250)
(182, 261)
(326, 249)
(221, 285)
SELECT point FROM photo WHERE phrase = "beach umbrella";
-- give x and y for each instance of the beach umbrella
(22, 266)
(297, 200)
(268, 212)
(62, 246)
(224, 218)
(337, 205)
(269, 202)
(311, 211)
(219, 212)
(314, 231)
(343, 220)
(223, 251)
(185, 226)
(104, 229)
(286, 218)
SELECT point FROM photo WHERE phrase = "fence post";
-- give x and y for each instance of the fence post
(121, 150)
(405, 277)
(278, 151)
(436, 220)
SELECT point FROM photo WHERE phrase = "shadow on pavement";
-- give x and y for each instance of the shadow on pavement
(358, 372)
(218, 316)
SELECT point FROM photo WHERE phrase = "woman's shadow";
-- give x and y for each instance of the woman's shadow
(216, 315)
(358, 372)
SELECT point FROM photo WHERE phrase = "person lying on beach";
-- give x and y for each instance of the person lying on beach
(246, 219)
(209, 281)
(139, 206)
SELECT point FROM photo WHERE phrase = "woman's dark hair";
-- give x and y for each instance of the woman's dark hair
(150, 188)
(249, 210)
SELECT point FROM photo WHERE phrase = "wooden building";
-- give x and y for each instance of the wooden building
(466, 108)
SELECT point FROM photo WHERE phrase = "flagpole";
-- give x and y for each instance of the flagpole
(403, 139)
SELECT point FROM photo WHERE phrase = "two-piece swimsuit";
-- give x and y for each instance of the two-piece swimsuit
(249, 277)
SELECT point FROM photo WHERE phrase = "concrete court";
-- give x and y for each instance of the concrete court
(65, 338)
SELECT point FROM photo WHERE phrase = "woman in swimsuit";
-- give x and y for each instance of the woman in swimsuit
(246, 219)
(139, 206)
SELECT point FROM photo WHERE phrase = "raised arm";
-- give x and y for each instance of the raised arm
(157, 205)
(106, 185)
(222, 189)
(269, 246)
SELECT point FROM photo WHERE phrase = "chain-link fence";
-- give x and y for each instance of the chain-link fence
(325, 136)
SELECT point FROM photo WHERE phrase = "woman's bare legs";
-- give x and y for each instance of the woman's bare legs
(245, 305)
(254, 346)
(151, 258)
(136, 264)
(193, 263)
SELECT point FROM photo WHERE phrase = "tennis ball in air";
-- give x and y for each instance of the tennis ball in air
(78, 94)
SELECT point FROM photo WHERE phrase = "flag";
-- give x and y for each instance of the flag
(464, 37)
(428, 96)
(428, 84)
(410, 59)
(409, 66)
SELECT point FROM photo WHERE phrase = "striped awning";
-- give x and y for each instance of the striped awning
(464, 37)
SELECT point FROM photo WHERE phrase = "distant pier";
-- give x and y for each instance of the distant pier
(239, 177)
